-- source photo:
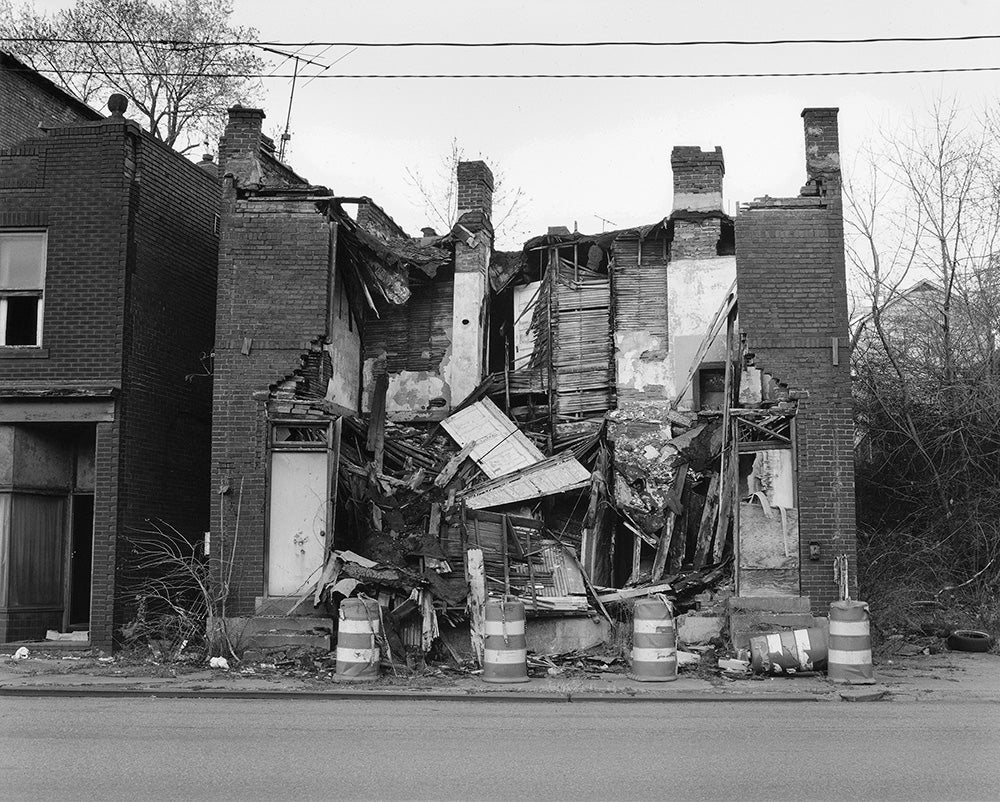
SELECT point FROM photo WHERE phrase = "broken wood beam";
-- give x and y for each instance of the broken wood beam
(451, 467)
(663, 547)
(707, 526)
(634, 593)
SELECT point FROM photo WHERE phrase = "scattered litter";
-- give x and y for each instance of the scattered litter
(80, 635)
(22, 653)
(687, 658)
(219, 662)
(735, 667)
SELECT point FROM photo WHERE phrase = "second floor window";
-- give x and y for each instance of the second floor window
(22, 285)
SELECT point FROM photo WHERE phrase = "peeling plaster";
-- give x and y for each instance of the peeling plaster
(641, 362)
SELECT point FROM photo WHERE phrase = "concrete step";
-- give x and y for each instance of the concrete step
(282, 605)
(771, 604)
(263, 624)
(756, 615)
(287, 640)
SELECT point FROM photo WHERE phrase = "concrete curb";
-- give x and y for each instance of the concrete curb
(344, 695)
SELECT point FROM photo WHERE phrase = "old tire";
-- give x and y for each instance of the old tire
(969, 640)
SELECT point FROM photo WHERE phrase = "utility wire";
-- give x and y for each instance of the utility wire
(607, 43)
(630, 76)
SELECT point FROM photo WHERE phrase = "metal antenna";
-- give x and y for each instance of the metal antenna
(605, 221)
(291, 95)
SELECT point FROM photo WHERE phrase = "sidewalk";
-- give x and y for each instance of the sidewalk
(953, 676)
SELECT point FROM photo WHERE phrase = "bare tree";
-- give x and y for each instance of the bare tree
(923, 218)
(167, 57)
(438, 196)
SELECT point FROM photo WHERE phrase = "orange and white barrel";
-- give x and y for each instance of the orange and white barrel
(850, 658)
(505, 655)
(789, 652)
(357, 639)
(654, 641)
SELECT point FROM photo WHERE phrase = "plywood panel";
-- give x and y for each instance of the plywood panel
(36, 553)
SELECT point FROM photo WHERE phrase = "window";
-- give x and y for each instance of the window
(22, 284)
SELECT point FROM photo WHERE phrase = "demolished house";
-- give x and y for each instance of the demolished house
(596, 418)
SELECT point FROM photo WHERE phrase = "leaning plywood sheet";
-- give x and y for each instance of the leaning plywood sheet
(500, 447)
(557, 474)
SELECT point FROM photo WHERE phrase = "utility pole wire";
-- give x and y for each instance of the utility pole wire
(599, 43)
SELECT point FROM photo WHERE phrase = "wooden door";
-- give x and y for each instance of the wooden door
(298, 520)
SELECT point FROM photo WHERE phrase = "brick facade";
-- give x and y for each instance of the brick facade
(792, 309)
(29, 100)
(274, 273)
(128, 305)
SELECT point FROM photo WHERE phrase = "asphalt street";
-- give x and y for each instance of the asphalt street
(113, 749)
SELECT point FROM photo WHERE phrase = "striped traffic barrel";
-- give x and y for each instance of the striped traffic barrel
(654, 641)
(357, 639)
(850, 658)
(789, 652)
(505, 656)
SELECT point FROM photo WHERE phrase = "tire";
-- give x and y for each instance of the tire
(969, 640)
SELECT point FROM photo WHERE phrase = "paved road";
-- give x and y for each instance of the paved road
(92, 749)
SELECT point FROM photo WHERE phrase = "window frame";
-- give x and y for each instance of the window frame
(38, 293)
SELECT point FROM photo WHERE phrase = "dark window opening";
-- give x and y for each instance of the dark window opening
(710, 388)
(21, 326)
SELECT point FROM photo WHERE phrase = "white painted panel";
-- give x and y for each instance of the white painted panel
(297, 521)
(501, 448)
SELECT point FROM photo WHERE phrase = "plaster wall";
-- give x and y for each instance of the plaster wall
(696, 289)
(466, 369)
(524, 339)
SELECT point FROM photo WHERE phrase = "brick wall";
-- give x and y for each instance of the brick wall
(792, 303)
(475, 188)
(129, 300)
(29, 100)
(273, 288)
(169, 324)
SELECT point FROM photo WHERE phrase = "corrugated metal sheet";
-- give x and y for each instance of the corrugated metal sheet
(557, 474)
(501, 448)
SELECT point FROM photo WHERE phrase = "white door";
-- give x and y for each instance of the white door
(297, 521)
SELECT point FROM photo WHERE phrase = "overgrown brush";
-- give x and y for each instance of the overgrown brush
(179, 606)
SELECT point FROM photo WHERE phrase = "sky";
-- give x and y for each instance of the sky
(583, 149)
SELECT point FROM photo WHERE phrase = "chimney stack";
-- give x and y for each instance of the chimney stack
(822, 151)
(475, 193)
(697, 179)
(242, 136)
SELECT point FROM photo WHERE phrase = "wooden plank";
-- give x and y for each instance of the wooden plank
(475, 572)
(451, 467)
(707, 525)
(634, 593)
(663, 547)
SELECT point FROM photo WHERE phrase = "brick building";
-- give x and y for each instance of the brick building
(302, 284)
(108, 250)
(739, 324)
(794, 322)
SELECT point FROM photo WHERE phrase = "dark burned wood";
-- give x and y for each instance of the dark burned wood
(707, 526)
(376, 423)
(663, 547)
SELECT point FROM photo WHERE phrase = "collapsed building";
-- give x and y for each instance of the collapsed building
(660, 409)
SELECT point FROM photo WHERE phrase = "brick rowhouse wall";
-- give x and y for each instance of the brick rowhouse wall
(273, 287)
(792, 302)
(97, 188)
(169, 325)
(28, 100)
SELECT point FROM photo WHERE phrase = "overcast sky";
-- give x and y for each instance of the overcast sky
(580, 148)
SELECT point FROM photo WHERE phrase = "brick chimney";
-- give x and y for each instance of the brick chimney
(697, 178)
(208, 164)
(475, 192)
(822, 151)
(241, 140)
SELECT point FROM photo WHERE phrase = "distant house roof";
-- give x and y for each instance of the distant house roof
(11, 62)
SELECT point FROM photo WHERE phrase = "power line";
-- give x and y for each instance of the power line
(505, 44)
(628, 76)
